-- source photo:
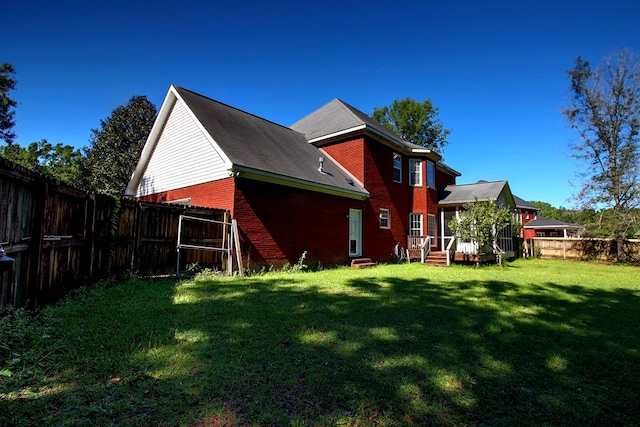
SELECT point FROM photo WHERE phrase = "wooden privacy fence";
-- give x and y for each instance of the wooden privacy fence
(580, 248)
(61, 237)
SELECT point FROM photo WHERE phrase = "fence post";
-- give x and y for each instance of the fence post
(6, 265)
(38, 228)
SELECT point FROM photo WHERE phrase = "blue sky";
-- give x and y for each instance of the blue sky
(495, 69)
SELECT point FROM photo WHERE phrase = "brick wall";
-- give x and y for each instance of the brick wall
(350, 154)
(385, 193)
(277, 224)
(215, 194)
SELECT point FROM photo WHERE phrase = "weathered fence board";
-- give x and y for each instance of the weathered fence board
(577, 248)
(62, 237)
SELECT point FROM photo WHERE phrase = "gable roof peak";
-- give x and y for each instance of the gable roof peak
(337, 118)
(460, 194)
(256, 147)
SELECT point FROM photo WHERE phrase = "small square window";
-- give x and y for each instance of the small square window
(384, 218)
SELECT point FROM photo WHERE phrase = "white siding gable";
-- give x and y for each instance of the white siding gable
(184, 155)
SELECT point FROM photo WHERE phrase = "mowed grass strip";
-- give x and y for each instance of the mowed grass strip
(539, 343)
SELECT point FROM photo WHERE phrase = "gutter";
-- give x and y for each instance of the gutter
(273, 178)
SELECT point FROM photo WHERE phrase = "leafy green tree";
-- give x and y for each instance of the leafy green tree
(7, 104)
(483, 222)
(416, 122)
(116, 146)
(605, 111)
(62, 162)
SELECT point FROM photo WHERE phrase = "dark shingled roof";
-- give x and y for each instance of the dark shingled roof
(338, 116)
(521, 203)
(253, 142)
(467, 193)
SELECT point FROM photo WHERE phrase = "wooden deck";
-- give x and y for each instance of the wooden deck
(477, 258)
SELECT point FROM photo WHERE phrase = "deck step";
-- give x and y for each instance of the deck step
(362, 262)
(436, 258)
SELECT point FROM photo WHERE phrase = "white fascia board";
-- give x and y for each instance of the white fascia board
(163, 115)
(337, 134)
(431, 155)
(150, 143)
(259, 175)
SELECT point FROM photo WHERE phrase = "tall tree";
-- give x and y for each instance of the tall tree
(416, 122)
(62, 162)
(605, 111)
(116, 146)
(7, 104)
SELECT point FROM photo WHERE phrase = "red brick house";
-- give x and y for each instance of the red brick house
(336, 184)
(525, 211)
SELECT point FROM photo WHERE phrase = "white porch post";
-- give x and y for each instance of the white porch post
(442, 245)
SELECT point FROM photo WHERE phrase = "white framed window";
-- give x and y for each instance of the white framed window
(384, 218)
(431, 175)
(397, 168)
(415, 224)
(431, 228)
(415, 172)
(553, 234)
(539, 233)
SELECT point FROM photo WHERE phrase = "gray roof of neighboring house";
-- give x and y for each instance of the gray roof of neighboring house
(549, 223)
(467, 193)
(337, 117)
(521, 203)
(253, 142)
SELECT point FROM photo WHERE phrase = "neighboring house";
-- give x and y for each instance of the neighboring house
(542, 227)
(525, 211)
(337, 184)
(453, 199)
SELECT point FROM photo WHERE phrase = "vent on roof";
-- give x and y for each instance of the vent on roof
(349, 180)
(321, 167)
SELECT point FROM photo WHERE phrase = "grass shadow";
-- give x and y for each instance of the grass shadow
(363, 349)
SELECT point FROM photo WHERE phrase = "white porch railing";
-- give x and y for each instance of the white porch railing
(421, 243)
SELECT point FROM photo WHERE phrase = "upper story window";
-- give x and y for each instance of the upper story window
(384, 218)
(415, 172)
(397, 168)
(431, 175)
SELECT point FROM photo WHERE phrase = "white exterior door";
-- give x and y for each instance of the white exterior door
(355, 232)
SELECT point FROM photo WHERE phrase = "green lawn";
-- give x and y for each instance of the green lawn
(539, 343)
